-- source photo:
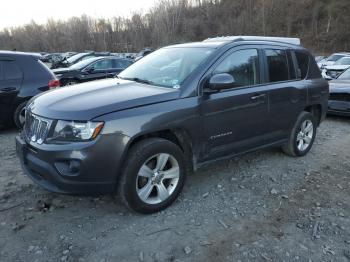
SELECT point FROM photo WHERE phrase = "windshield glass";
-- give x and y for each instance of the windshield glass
(82, 64)
(333, 58)
(74, 58)
(167, 67)
(343, 61)
(345, 74)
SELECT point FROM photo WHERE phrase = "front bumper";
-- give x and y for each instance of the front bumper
(336, 107)
(96, 168)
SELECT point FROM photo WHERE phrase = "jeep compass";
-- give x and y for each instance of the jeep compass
(175, 110)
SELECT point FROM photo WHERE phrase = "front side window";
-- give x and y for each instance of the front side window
(243, 66)
(277, 63)
(11, 70)
(167, 67)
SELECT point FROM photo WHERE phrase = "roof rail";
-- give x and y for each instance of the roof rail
(288, 40)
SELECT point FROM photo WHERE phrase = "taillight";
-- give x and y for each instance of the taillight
(54, 83)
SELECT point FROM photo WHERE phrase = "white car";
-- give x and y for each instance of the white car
(332, 71)
(331, 60)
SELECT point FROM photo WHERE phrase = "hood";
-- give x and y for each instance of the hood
(337, 67)
(327, 63)
(89, 100)
(61, 70)
(339, 86)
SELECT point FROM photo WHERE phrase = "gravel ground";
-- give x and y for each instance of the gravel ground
(262, 206)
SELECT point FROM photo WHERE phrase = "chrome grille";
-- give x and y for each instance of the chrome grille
(36, 128)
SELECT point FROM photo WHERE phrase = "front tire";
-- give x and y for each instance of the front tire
(302, 136)
(153, 175)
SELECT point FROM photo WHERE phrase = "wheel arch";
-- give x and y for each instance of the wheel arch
(178, 136)
(316, 111)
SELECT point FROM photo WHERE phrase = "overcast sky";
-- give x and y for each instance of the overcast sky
(18, 12)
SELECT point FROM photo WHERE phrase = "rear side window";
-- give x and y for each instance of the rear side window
(11, 70)
(243, 65)
(277, 62)
(303, 64)
(121, 63)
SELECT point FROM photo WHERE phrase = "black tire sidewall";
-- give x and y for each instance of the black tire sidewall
(137, 158)
(301, 119)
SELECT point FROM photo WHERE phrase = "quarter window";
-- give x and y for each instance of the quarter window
(303, 64)
(243, 65)
(11, 71)
(277, 65)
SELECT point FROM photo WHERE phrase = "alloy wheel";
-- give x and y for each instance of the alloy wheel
(157, 178)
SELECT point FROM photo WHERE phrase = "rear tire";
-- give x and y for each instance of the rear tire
(19, 115)
(302, 136)
(153, 175)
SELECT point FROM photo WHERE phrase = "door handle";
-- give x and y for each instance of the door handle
(255, 97)
(8, 89)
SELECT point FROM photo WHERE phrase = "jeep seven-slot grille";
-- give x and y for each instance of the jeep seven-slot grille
(36, 128)
(339, 97)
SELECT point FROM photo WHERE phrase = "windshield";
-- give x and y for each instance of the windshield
(343, 61)
(167, 67)
(333, 58)
(82, 64)
(74, 58)
(345, 74)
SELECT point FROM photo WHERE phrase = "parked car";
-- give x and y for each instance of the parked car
(144, 52)
(332, 71)
(320, 58)
(331, 59)
(143, 130)
(78, 58)
(339, 95)
(91, 69)
(22, 76)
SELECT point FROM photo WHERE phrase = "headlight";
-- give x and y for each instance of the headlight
(76, 131)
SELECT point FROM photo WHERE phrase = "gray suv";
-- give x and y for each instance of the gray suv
(177, 109)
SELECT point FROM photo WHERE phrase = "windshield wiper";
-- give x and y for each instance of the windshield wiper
(138, 80)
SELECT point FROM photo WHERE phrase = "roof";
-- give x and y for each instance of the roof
(15, 53)
(287, 40)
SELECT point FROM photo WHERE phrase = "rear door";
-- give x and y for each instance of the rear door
(287, 91)
(235, 119)
(10, 83)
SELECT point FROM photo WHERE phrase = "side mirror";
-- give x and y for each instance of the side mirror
(221, 81)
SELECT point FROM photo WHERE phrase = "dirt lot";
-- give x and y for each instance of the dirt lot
(263, 206)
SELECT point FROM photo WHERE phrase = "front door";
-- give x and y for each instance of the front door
(235, 119)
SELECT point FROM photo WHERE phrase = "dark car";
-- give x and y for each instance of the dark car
(179, 108)
(339, 95)
(91, 69)
(67, 62)
(22, 76)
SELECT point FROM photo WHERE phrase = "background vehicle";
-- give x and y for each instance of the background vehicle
(144, 52)
(320, 58)
(332, 59)
(332, 71)
(79, 57)
(178, 108)
(339, 95)
(22, 76)
(91, 69)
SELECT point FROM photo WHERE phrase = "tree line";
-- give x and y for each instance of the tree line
(322, 25)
